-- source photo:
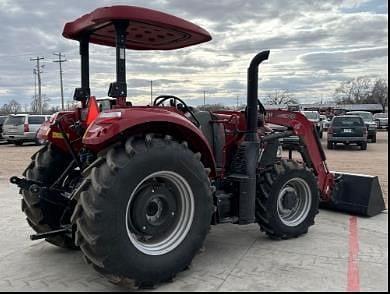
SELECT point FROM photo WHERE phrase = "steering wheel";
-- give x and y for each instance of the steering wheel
(182, 106)
(260, 108)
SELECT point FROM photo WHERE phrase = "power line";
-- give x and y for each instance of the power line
(38, 72)
(60, 61)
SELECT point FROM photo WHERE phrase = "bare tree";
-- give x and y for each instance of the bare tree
(281, 98)
(35, 104)
(12, 107)
(363, 90)
(54, 109)
(72, 105)
(354, 91)
(380, 93)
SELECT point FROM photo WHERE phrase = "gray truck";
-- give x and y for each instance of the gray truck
(368, 119)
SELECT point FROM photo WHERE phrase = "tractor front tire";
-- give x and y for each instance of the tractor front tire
(146, 212)
(287, 200)
(43, 216)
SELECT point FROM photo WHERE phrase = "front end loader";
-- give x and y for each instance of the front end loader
(136, 188)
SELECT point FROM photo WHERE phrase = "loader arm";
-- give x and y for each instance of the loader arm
(313, 153)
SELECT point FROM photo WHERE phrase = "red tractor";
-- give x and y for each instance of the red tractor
(137, 188)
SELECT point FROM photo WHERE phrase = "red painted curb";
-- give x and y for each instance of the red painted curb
(353, 260)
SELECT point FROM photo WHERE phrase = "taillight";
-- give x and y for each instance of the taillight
(365, 131)
(26, 128)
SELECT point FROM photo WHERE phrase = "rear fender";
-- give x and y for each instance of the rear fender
(50, 131)
(137, 120)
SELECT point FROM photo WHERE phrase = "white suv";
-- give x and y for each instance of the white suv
(20, 128)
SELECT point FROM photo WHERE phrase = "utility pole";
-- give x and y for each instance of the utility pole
(35, 82)
(151, 93)
(238, 97)
(60, 61)
(38, 71)
(204, 98)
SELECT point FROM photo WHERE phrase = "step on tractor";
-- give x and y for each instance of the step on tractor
(137, 188)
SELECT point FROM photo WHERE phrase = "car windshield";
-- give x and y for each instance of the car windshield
(366, 116)
(36, 120)
(348, 122)
(14, 120)
(311, 115)
(381, 115)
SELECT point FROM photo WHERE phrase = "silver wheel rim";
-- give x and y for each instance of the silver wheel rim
(186, 209)
(295, 212)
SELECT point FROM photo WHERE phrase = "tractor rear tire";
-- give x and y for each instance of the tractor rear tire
(46, 166)
(286, 179)
(121, 215)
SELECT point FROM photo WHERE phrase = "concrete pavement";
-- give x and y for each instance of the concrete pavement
(236, 258)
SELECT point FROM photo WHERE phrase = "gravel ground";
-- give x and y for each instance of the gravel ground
(373, 162)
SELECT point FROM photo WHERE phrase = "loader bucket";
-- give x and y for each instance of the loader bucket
(357, 195)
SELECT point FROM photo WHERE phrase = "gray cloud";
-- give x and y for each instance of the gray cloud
(338, 60)
(315, 44)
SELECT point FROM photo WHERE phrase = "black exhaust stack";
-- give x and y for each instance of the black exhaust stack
(249, 149)
(252, 95)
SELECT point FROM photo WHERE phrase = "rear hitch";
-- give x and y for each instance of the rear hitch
(63, 231)
(56, 195)
(32, 186)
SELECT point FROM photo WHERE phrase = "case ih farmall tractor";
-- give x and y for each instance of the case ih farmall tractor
(137, 188)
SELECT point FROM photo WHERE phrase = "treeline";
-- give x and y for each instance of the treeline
(363, 90)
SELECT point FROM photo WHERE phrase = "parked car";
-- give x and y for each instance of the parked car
(20, 128)
(2, 119)
(382, 120)
(347, 129)
(325, 121)
(315, 118)
(369, 121)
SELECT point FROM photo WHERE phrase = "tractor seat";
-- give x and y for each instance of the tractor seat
(214, 133)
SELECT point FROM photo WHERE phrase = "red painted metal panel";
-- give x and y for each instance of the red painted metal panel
(148, 29)
(104, 131)
(303, 128)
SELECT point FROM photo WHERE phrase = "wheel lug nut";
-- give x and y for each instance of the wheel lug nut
(144, 228)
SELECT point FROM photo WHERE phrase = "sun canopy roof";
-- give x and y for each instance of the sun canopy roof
(148, 29)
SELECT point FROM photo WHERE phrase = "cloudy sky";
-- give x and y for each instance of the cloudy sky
(314, 46)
